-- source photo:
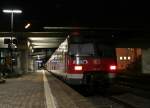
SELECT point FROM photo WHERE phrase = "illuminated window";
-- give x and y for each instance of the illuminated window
(129, 57)
(125, 58)
(120, 58)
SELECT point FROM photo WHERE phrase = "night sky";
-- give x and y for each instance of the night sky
(100, 13)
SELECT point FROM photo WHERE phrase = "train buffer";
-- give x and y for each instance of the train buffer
(40, 90)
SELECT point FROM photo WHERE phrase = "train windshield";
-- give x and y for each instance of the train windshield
(105, 51)
(86, 49)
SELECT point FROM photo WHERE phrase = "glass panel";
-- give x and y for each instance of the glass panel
(81, 49)
(105, 51)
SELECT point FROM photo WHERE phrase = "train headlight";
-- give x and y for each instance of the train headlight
(112, 67)
(78, 68)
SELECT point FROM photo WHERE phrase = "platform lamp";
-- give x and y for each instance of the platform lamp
(12, 12)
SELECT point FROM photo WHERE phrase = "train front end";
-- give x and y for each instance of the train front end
(90, 62)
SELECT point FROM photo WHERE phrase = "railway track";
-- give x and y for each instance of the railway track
(120, 100)
(140, 81)
(137, 91)
(130, 100)
(135, 84)
(116, 97)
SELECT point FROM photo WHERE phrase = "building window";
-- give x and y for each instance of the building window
(125, 58)
(121, 58)
(129, 58)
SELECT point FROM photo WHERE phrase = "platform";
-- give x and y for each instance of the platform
(40, 90)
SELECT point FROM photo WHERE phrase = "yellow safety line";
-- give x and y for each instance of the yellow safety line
(50, 102)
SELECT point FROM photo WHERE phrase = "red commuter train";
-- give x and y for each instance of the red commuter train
(83, 61)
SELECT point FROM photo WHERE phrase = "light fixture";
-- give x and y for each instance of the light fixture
(27, 26)
(11, 45)
(12, 11)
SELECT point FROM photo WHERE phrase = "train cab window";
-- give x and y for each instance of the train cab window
(99, 53)
(108, 53)
(85, 49)
(105, 51)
